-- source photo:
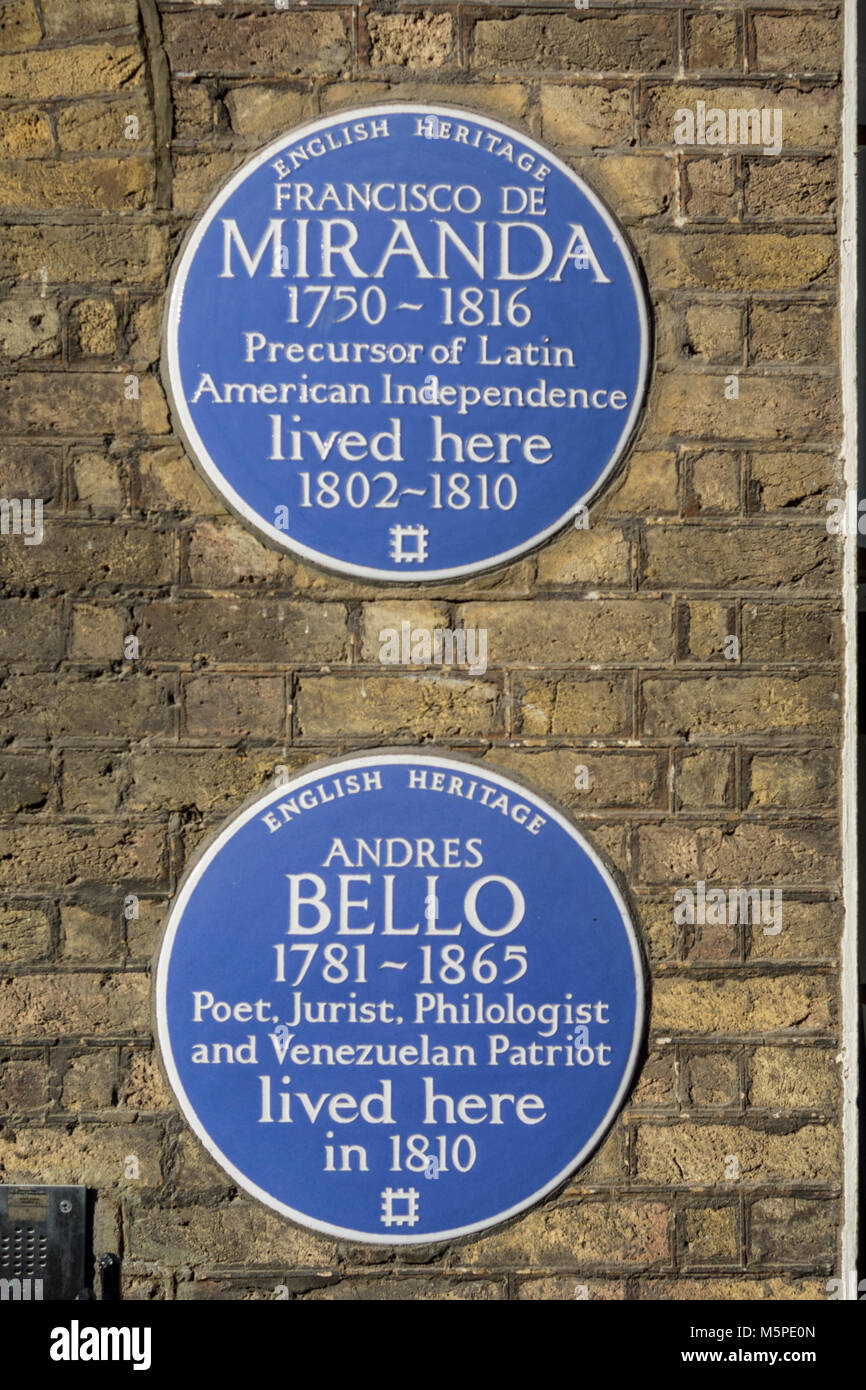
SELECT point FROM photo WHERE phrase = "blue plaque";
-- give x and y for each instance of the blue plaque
(406, 342)
(399, 998)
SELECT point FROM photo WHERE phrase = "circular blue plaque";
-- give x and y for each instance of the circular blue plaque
(406, 342)
(399, 998)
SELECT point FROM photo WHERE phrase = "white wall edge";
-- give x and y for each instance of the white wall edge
(848, 363)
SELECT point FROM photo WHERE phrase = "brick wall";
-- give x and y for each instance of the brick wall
(606, 648)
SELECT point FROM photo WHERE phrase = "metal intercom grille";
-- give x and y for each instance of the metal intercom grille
(24, 1252)
(42, 1242)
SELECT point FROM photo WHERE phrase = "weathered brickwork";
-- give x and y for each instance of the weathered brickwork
(609, 649)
